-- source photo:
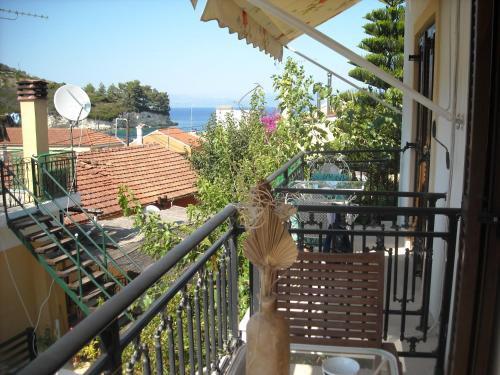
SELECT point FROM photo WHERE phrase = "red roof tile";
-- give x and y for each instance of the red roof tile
(61, 137)
(150, 171)
(187, 138)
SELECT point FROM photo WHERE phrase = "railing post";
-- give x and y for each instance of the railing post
(233, 275)
(104, 250)
(286, 177)
(110, 344)
(34, 178)
(32, 344)
(302, 167)
(447, 290)
(4, 190)
(78, 265)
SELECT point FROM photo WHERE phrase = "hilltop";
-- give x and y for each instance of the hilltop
(108, 103)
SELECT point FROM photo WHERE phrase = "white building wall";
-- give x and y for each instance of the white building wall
(452, 19)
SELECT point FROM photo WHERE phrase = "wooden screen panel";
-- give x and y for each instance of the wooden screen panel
(334, 299)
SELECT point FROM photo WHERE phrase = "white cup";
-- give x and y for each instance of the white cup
(340, 366)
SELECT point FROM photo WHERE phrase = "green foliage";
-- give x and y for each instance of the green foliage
(361, 121)
(304, 122)
(234, 156)
(107, 104)
(385, 43)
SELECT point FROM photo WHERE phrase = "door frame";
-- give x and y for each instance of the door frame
(476, 300)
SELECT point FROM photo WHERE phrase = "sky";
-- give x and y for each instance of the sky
(162, 43)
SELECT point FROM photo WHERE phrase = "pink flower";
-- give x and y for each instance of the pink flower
(270, 121)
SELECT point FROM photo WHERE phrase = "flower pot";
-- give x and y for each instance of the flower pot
(268, 341)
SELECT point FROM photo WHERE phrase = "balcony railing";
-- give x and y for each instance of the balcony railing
(28, 173)
(194, 319)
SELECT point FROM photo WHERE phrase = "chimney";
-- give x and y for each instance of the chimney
(32, 97)
(138, 139)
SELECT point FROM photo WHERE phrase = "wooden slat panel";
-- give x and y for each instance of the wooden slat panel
(335, 298)
(332, 317)
(334, 341)
(324, 307)
(283, 283)
(327, 266)
(316, 274)
(334, 291)
(331, 333)
(360, 326)
(329, 299)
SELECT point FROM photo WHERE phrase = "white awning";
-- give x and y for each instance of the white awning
(264, 31)
(272, 24)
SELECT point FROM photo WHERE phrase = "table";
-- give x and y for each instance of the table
(317, 220)
(307, 359)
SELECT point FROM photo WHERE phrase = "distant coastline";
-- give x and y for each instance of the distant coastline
(188, 119)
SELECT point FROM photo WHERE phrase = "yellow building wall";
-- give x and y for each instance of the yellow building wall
(33, 283)
(170, 143)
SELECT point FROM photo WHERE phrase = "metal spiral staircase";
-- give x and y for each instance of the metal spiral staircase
(40, 206)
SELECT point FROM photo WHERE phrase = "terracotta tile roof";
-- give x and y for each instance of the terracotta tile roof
(150, 171)
(185, 137)
(61, 137)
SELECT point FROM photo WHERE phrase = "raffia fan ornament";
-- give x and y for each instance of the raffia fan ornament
(269, 245)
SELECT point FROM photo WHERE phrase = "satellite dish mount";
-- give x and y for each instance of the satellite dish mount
(73, 104)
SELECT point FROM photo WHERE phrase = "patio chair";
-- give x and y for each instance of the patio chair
(334, 299)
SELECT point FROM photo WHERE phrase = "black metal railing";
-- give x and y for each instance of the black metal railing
(28, 174)
(411, 255)
(22, 168)
(62, 169)
(193, 319)
(378, 169)
(17, 351)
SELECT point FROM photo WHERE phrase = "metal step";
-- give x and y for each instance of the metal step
(27, 221)
(96, 292)
(68, 271)
(59, 258)
(41, 234)
(53, 245)
(96, 275)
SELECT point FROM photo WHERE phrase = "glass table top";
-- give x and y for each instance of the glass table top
(307, 359)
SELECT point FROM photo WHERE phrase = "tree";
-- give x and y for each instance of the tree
(385, 43)
(295, 93)
(361, 121)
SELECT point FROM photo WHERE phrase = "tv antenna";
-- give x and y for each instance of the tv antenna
(73, 104)
(18, 13)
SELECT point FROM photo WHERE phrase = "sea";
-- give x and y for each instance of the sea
(188, 119)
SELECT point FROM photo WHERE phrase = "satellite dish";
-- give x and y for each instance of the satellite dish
(72, 102)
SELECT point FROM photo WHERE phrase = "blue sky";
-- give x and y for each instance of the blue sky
(162, 43)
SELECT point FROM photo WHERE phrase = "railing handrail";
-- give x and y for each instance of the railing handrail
(37, 201)
(352, 151)
(91, 219)
(402, 194)
(68, 254)
(399, 211)
(67, 346)
(284, 167)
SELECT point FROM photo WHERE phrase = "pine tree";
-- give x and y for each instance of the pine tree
(385, 43)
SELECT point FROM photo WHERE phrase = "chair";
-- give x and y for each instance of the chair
(334, 299)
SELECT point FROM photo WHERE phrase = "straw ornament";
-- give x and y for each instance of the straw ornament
(269, 245)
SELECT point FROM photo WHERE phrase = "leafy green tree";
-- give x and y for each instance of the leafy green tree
(295, 93)
(361, 121)
(385, 43)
